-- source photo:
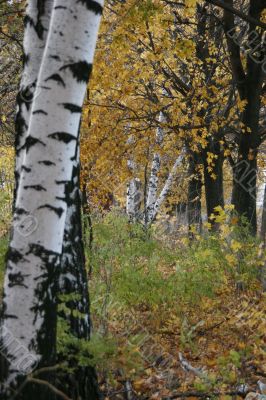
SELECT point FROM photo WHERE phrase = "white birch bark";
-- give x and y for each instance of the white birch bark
(165, 190)
(49, 154)
(133, 201)
(155, 168)
(37, 20)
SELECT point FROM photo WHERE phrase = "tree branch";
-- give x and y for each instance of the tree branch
(50, 386)
(239, 13)
(203, 395)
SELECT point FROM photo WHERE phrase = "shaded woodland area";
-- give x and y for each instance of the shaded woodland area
(132, 199)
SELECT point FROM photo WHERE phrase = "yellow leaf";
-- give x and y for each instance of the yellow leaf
(235, 245)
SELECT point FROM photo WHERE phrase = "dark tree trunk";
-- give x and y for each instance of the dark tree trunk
(213, 174)
(244, 190)
(194, 193)
(263, 219)
(245, 172)
(213, 179)
(73, 292)
(249, 85)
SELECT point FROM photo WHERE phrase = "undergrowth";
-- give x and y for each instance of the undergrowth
(153, 299)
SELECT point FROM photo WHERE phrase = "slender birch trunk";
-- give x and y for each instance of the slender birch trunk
(155, 168)
(133, 201)
(167, 187)
(29, 312)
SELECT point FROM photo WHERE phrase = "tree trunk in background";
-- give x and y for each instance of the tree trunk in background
(133, 202)
(165, 190)
(213, 185)
(194, 193)
(263, 238)
(244, 189)
(245, 172)
(263, 219)
(33, 262)
(249, 85)
(213, 171)
(153, 180)
(244, 195)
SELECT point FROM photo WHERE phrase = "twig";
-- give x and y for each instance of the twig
(129, 390)
(50, 386)
(46, 369)
(188, 367)
(202, 332)
(237, 12)
(202, 395)
(11, 37)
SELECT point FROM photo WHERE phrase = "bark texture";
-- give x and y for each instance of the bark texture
(249, 85)
(47, 159)
(194, 193)
(154, 178)
(213, 179)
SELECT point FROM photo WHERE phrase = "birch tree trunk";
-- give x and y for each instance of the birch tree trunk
(133, 201)
(37, 20)
(166, 188)
(29, 311)
(155, 168)
(263, 219)
(73, 278)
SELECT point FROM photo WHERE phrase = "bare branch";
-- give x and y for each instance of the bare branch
(239, 13)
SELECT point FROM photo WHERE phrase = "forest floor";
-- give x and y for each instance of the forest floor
(221, 356)
(184, 324)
